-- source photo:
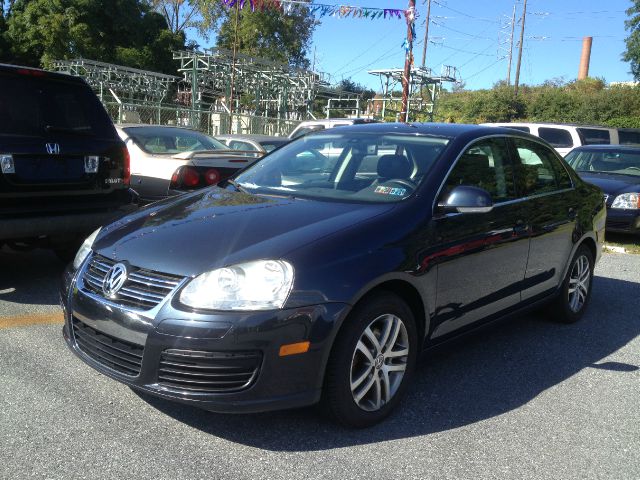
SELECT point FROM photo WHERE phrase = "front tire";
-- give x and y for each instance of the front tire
(372, 361)
(575, 292)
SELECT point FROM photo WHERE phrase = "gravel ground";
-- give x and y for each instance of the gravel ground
(529, 399)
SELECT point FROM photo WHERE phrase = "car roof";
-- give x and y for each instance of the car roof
(609, 147)
(142, 125)
(444, 129)
(40, 73)
(254, 137)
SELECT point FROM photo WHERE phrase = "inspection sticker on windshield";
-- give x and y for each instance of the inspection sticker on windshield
(391, 191)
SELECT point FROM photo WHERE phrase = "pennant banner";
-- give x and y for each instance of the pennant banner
(322, 10)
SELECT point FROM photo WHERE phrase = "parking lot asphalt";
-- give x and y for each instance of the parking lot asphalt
(528, 399)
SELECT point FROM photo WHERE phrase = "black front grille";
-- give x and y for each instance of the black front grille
(143, 289)
(207, 372)
(119, 355)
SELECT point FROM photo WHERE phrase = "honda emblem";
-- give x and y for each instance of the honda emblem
(52, 148)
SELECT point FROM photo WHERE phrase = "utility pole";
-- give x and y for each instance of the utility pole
(406, 76)
(513, 27)
(233, 67)
(426, 33)
(524, 17)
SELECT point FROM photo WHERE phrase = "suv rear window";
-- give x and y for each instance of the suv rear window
(594, 136)
(34, 106)
(629, 137)
(557, 137)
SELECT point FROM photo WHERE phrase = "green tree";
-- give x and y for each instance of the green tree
(181, 15)
(632, 52)
(126, 32)
(270, 34)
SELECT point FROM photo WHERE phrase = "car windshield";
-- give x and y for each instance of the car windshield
(171, 140)
(620, 162)
(346, 166)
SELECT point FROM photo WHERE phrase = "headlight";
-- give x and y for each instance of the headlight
(85, 249)
(259, 285)
(627, 201)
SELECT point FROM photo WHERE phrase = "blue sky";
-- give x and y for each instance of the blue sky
(474, 35)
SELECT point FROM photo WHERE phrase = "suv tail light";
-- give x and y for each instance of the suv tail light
(126, 166)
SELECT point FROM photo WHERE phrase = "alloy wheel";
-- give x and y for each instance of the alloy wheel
(379, 362)
(579, 283)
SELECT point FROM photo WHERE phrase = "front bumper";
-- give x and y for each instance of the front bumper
(278, 383)
(623, 221)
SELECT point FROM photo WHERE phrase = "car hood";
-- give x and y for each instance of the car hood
(612, 184)
(215, 227)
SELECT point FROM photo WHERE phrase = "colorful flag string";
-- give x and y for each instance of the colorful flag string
(320, 9)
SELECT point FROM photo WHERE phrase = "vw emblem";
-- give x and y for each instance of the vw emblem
(52, 148)
(114, 279)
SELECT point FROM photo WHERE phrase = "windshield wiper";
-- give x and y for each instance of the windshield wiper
(85, 131)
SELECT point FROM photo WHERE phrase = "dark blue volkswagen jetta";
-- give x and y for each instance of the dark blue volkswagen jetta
(616, 170)
(322, 271)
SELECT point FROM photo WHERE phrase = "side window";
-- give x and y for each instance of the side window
(557, 137)
(485, 165)
(628, 136)
(538, 170)
(594, 136)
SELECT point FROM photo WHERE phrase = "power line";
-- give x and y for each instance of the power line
(484, 69)
(460, 31)
(367, 50)
(464, 14)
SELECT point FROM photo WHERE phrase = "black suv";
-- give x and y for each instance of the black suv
(63, 169)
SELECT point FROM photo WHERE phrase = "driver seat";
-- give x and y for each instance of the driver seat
(394, 167)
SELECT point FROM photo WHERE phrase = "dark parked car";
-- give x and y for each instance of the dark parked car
(616, 170)
(63, 169)
(312, 278)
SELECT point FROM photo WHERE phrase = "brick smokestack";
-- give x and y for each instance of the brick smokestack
(585, 58)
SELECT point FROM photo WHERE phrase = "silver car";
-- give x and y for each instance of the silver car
(169, 160)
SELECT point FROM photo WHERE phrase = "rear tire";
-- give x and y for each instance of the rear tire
(575, 292)
(372, 361)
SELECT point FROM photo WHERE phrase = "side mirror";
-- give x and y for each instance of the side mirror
(467, 199)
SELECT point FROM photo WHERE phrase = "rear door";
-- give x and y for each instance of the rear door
(552, 203)
(481, 257)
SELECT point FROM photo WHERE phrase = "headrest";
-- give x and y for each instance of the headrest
(477, 160)
(394, 166)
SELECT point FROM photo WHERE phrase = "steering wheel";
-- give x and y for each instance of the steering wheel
(401, 181)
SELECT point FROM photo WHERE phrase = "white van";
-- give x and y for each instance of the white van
(564, 137)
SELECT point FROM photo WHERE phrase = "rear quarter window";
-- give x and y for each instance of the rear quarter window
(557, 137)
(594, 136)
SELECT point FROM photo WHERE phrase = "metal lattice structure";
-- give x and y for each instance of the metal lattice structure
(260, 87)
(424, 90)
(124, 84)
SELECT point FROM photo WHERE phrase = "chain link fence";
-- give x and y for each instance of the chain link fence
(207, 121)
